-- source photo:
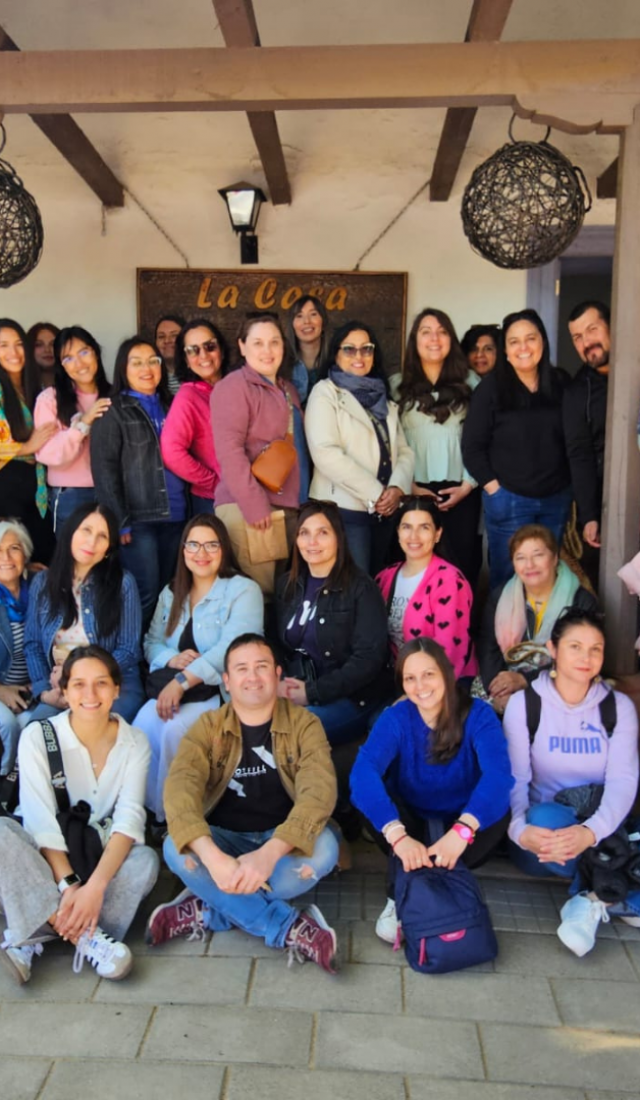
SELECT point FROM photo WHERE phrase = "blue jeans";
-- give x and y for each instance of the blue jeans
(506, 512)
(546, 815)
(62, 502)
(151, 556)
(368, 538)
(201, 506)
(344, 721)
(266, 913)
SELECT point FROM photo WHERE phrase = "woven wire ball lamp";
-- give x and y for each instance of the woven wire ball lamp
(524, 205)
(21, 234)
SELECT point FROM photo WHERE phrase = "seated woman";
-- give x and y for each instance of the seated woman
(434, 754)
(84, 598)
(16, 549)
(331, 628)
(362, 461)
(105, 764)
(571, 747)
(148, 500)
(186, 442)
(519, 617)
(79, 395)
(425, 595)
(208, 604)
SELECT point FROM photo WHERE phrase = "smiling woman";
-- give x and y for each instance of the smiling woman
(85, 597)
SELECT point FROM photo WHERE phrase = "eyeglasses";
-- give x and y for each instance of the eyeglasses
(192, 350)
(350, 350)
(193, 547)
(82, 355)
(152, 361)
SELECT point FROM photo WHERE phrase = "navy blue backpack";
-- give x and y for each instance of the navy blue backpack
(445, 921)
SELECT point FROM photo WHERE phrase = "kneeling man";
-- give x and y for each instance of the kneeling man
(247, 800)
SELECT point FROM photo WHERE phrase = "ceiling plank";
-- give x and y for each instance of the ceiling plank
(607, 182)
(595, 83)
(74, 145)
(237, 22)
(486, 24)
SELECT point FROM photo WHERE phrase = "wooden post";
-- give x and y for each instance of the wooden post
(621, 505)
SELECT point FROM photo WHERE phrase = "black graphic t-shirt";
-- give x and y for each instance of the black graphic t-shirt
(255, 799)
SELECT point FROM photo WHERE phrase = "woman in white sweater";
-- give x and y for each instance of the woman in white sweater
(361, 459)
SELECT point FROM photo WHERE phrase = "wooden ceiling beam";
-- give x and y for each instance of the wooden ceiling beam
(74, 145)
(584, 86)
(486, 24)
(237, 22)
(607, 182)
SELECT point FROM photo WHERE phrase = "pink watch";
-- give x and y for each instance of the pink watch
(465, 831)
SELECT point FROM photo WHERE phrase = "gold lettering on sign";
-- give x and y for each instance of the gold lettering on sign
(203, 295)
(337, 299)
(290, 296)
(265, 297)
(316, 292)
(228, 297)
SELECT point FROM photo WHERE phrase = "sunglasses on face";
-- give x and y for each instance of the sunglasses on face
(350, 350)
(192, 350)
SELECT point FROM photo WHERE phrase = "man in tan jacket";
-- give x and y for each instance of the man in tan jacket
(247, 800)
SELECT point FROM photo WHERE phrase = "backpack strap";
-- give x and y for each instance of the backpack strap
(533, 708)
(56, 767)
(609, 712)
(9, 793)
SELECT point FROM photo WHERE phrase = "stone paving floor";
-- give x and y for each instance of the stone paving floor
(225, 1019)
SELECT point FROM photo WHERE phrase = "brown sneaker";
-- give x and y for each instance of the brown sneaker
(181, 917)
(310, 937)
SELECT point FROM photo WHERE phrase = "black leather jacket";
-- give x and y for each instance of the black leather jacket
(126, 463)
(351, 631)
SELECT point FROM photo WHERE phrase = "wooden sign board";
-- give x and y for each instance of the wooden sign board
(378, 298)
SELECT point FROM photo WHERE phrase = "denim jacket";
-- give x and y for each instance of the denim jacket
(41, 629)
(6, 643)
(232, 606)
(126, 464)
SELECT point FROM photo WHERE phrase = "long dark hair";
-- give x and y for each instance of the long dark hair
(106, 576)
(20, 430)
(182, 368)
(512, 394)
(344, 569)
(297, 308)
(377, 369)
(120, 381)
(66, 396)
(451, 388)
(447, 736)
(183, 578)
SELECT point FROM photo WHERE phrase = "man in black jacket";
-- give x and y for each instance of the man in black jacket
(585, 413)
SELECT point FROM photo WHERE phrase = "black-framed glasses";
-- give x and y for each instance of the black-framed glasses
(192, 350)
(193, 547)
(350, 350)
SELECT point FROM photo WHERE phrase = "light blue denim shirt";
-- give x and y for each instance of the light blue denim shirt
(232, 606)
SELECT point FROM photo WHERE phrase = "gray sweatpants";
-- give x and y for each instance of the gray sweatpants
(29, 895)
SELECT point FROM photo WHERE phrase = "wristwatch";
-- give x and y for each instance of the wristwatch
(181, 679)
(465, 831)
(69, 880)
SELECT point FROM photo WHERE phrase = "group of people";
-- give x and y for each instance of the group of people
(209, 577)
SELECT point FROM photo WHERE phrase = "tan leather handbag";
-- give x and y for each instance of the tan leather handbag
(276, 461)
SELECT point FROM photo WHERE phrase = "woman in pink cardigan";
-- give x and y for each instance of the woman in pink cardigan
(186, 442)
(251, 408)
(78, 397)
(426, 597)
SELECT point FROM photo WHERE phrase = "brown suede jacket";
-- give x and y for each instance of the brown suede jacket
(210, 753)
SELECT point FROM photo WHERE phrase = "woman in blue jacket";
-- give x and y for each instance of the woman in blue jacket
(208, 604)
(85, 598)
(435, 754)
(16, 548)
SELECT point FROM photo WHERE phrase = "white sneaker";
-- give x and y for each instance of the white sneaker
(110, 958)
(387, 923)
(18, 959)
(581, 916)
